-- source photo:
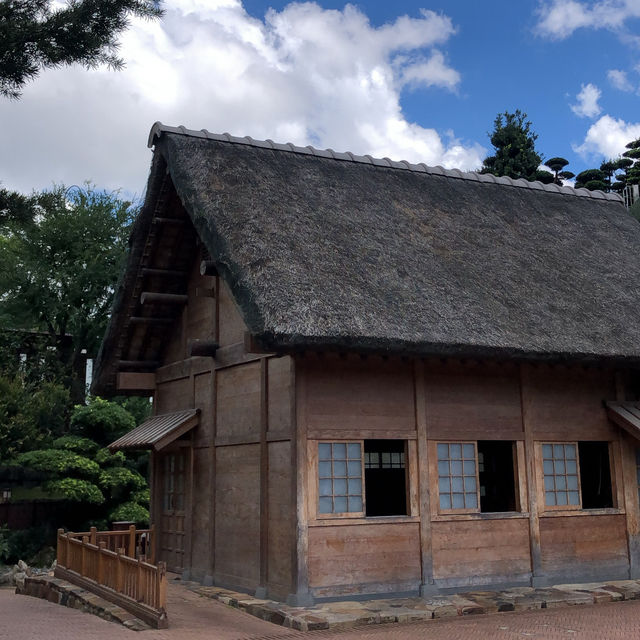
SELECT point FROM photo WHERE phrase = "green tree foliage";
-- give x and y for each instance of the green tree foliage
(514, 142)
(557, 164)
(78, 468)
(130, 512)
(30, 416)
(592, 179)
(39, 34)
(101, 420)
(632, 155)
(58, 272)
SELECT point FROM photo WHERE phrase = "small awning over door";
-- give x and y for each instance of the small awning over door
(625, 415)
(157, 432)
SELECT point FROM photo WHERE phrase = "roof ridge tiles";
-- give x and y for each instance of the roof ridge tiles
(158, 129)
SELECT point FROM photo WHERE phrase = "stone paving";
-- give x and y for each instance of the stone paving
(349, 614)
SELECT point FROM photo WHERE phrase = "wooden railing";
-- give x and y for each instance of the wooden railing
(119, 574)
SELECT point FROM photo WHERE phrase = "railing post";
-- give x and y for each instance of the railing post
(66, 547)
(140, 590)
(59, 548)
(161, 585)
(92, 535)
(120, 570)
(132, 541)
(83, 565)
(101, 547)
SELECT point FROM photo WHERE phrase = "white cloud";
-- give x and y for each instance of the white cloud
(619, 80)
(558, 19)
(607, 137)
(587, 105)
(303, 74)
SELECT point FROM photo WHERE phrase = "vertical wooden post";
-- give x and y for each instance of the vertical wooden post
(66, 550)
(83, 548)
(427, 585)
(101, 548)
(60, 549)
(151, 545)
(210, 577)
(537, 575)
(132, 541)
(261, 592)
(93, 535)
(119, 570)
(161, 586)
(300, 595)
(139, 586)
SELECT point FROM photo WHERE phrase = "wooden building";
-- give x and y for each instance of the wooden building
(377, 377)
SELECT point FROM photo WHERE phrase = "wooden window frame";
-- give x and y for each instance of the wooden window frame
(465, 510)
(316, 471)
(360, 517)
(543, 502)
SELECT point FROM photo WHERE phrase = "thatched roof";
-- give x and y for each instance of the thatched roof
(332, 251)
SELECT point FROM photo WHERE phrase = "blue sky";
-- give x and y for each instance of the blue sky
(421, 81)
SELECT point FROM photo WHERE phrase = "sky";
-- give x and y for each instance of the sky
(411, 80)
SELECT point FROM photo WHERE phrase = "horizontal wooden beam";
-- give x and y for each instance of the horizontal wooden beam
(161, 220)
(205, 348)
(136, 381)
(156, 321)
(208, 268)
(150, 297)
(167, 273)
(138, 364)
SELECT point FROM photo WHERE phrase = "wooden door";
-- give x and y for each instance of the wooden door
(173, 471)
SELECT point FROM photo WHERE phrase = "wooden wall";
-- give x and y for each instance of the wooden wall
(241, 495)
(343, 398)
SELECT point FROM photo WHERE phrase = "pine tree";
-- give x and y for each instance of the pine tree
(35, 35)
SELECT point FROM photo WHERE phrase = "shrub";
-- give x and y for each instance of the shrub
(101, 420)
(130, 512)
(77, 444)
(59, 462)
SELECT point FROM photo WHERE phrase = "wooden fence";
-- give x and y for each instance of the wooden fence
(113, 564)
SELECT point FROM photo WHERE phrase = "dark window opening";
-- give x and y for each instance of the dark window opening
(496, 472)
(385, 477)
(595, 475)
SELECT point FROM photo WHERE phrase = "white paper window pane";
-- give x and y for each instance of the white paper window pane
(443, 468)
(339, 451)
(444, 485)
(354, 451)
(469, 451)
(355, 504)
(324, 451)
(455, 451)
(354, 468)
(548, 467)
(456, 483)
(445, 501)
(572, 483)
(558, 451)
(550, 498)
(548, 483)
(572, 466)
(570, 451)
(469, 467)
(471, 500)
(561, 497)
(386, 459)
(558, 467)
(339, 469)
(443, 451)
(458, 500)
(355, 487)
(574, 497)
(470, 484)
(339, 487)
(324, 469)
(325, 505)
(561, 482)
(340, 504)
(547, 451)
(325, 488)
(456, 468)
